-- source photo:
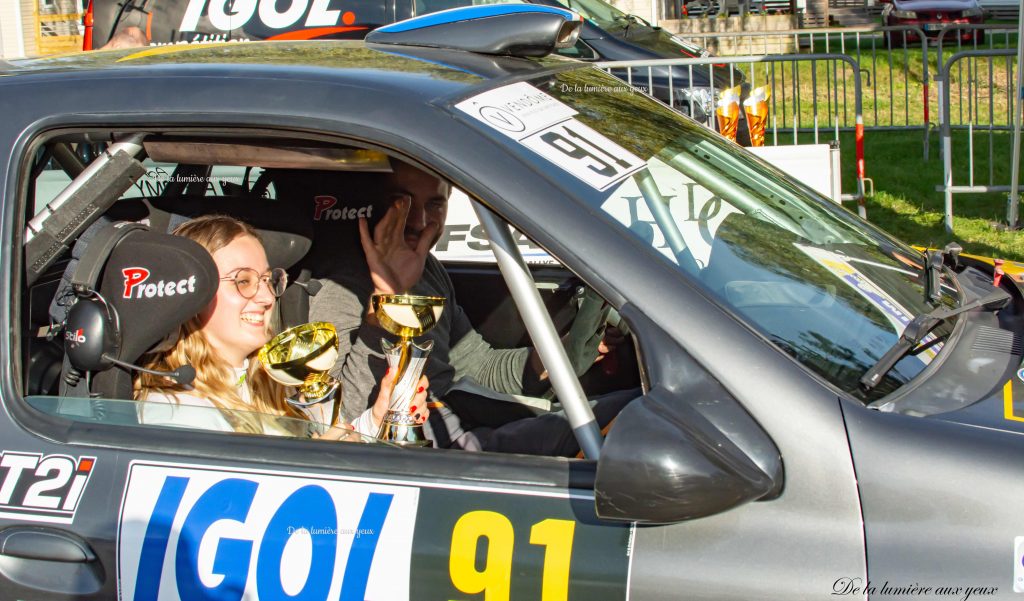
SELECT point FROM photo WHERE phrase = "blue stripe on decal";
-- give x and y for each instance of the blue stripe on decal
(364, 545)
(154, 546)
(466, 13)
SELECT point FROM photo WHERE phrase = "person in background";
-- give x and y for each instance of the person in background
(464, 369)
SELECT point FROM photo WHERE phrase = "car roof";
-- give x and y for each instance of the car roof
(356, 60)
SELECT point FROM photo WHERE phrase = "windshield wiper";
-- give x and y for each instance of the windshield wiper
(934, 261)
(921, 325)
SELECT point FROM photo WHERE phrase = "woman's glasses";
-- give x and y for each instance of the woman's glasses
(247, 281)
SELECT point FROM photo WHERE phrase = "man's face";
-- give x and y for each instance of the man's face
(429, 204)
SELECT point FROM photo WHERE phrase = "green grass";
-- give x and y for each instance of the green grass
(906, 204)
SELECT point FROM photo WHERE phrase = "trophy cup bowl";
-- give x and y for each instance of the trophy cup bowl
(302, 356)
(406, 316)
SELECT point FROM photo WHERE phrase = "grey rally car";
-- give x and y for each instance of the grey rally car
(823, 411)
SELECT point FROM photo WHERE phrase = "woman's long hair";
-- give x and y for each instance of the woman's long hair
(215, 380)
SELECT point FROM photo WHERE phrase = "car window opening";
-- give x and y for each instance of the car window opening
(306, 216)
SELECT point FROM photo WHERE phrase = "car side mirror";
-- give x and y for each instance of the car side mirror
(669, 458)
(663, 462)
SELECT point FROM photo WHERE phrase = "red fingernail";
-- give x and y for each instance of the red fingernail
(420, 389)
(413, 408)
(387, 371)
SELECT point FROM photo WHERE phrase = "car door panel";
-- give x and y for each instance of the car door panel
(368, 538)
(167, 504)
(926, 504)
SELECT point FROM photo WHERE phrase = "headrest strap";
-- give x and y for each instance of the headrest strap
(96, 254)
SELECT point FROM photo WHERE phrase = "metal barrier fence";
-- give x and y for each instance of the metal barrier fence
(985, 110)
(797, 102)
(974, 103)
(896, 71)
(895, 63)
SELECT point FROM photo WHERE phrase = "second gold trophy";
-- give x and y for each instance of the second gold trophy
(406, 316)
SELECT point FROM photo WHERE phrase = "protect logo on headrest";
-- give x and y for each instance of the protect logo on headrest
(135, 285)
(325, 210)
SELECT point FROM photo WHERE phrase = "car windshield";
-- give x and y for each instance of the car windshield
(604, 15)
(828, 289)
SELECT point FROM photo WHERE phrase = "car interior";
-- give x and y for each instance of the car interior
(275, 185)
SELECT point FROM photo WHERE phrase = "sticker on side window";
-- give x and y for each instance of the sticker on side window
(541, 123)
(190, 532)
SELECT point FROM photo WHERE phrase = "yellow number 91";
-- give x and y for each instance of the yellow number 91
(495, 580)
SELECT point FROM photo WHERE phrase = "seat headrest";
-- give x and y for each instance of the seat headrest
(332, 202)
(134, 288)
(156, 282)
(286, 233)
(284, 229)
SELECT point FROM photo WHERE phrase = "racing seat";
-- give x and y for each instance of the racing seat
(132, 288)
(286, 236)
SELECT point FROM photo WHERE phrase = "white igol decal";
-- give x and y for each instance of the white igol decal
(42, 488)
(1018, 564)
(227, 15)
(192, 532)
(545, 125)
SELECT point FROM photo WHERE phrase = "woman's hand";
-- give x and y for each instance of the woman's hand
(343, 432)
(395, 267)
(418, 407)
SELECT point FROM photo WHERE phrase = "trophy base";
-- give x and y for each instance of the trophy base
(403, 434)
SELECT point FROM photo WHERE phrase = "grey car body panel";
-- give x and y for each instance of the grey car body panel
(953, 526)
(908, 484)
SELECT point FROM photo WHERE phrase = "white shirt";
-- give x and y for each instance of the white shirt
(186, 410)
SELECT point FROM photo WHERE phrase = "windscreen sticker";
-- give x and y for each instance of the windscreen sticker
(518, 110)
(546, 126)
(190, 532)
(42, 488)
(695, 212)
(895, 313)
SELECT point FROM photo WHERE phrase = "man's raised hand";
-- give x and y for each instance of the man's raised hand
(395, 267)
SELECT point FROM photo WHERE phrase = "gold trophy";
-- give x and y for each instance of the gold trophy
(406, 316)
(302, 357)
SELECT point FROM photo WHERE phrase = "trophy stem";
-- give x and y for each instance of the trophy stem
(407, 359)
(316, 386)
(403, 366)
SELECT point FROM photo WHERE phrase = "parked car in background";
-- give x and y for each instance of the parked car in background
(932, 16)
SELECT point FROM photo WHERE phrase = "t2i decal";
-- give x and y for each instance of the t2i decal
(42, 488)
